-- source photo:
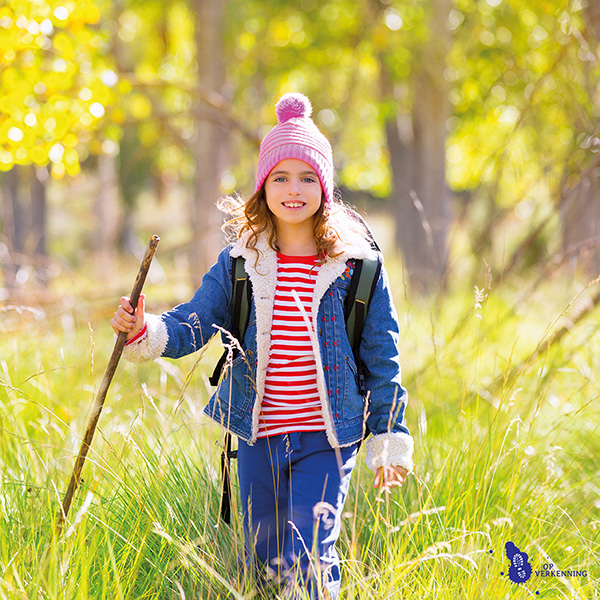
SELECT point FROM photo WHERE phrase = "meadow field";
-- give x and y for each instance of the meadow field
(470, 131)
(503, 406)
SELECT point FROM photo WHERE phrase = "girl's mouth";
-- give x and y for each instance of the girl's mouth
(293, 204)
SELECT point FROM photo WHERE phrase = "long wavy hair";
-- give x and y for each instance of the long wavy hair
(254, 218)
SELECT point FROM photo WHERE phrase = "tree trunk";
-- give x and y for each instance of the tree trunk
(403, 162)
(208, 150)
(430, 114)
(107, 209)
(134, 160)
(14, 228)
(581, 222)
(39, 178)
(592, 17)
(416, 143)
(581, 210)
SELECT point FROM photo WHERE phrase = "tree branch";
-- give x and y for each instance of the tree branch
(210, 98)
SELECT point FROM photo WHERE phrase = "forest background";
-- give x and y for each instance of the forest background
(468, 133)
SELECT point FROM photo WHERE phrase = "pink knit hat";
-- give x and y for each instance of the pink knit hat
(296, 136)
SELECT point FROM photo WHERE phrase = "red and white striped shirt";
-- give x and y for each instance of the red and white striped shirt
(291, 399)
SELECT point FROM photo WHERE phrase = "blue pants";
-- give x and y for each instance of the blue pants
(293, 488)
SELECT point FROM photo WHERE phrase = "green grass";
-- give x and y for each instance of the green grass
(507, 444)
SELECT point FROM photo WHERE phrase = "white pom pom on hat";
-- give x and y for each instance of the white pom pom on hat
(296, 136)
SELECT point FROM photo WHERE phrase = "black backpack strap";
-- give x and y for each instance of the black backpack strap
(241, 291)
(226, 455)
(242, 295)
(362, 286)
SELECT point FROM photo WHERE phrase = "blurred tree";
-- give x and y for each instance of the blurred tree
(580, 199)
(496, 99)
(23, 240)
(107, 210)
(175, 116)
(210, 143)
(39, 218)
(13, 238)
(417, 108)
(57, 85)
(522, 89)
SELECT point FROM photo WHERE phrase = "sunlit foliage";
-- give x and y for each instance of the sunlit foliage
(59, 87)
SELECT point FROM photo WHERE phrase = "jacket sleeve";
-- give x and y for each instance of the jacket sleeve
(187, 327)
(391, 442)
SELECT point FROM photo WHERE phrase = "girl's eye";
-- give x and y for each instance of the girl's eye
(309, 179)
(280, 178)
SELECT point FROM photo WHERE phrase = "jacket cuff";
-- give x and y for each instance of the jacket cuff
(138, 336)
(390, 449)
(150, 346)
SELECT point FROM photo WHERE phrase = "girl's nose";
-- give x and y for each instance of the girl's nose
(294, 188)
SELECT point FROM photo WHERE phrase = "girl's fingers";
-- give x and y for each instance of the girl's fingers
(125, 316)
(124, 319)
(387, 478)
(126, 305)
(118, 325)
(377, 481)
(126, 311)
(387, 482)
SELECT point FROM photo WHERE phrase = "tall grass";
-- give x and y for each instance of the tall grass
(507, 444)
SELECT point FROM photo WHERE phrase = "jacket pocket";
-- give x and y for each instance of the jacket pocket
(236, 390)
(353, 405)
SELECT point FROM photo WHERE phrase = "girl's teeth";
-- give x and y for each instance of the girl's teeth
(293, 204)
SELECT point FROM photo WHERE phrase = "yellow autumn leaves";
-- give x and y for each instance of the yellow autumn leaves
(55, 83)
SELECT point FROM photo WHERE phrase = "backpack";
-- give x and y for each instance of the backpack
(362, 285)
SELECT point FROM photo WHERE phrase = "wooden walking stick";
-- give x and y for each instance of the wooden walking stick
(106, 380)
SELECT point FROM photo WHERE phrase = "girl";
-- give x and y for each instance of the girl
(292, 396)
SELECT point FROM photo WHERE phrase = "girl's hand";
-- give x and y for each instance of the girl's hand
(390, 477)
(125, 320)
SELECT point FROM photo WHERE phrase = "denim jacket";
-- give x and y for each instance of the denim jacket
(236, 401)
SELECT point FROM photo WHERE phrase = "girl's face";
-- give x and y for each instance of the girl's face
(293, 192)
